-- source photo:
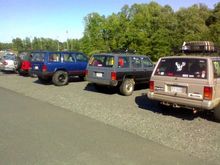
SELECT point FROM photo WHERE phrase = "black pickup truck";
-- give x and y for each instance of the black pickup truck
(122, 70)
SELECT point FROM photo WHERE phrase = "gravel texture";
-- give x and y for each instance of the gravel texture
(197, 135)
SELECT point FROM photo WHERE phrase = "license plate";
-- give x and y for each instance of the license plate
(176, 89)
(36, 67)
(99, 74)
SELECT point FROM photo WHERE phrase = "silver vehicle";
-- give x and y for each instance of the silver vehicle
(187, 81)
(8, 63)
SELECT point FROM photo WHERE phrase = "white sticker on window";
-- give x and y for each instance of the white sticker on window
(180, 66)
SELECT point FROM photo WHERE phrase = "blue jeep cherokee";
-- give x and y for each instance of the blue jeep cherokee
(58, 66)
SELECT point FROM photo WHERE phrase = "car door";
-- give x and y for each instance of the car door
(70, 63)
(54, 62)
(136, 65)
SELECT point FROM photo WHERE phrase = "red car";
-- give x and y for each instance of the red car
(24, 64)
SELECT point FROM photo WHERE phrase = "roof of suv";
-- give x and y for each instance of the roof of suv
(120, 54)
(44, 51)
(193, 57)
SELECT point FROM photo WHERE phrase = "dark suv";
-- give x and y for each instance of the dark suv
(58, 66)
(121, 70)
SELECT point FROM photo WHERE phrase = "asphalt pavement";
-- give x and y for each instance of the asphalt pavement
(33, 132)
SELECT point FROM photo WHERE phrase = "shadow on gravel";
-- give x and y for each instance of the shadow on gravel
(2, 73)
(71, 80)
(101, 89)
(75, 79)
(43, 83)
(185, 114)
(110, 90)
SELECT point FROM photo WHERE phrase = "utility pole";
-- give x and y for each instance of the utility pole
(58, 44)
(67, 43)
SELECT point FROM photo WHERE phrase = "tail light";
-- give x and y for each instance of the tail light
(5, 63)
(207, 93)
(113, 76)
(44, 68)
(151, 86)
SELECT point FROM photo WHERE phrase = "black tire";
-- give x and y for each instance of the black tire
(60, 78)
(217, 113)
(44, 80)
(127, 87)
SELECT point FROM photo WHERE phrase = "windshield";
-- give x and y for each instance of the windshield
(37, 57)
(102, 61)
(182, 67)
(9, 57)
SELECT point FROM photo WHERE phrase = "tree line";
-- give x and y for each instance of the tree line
(148, 28)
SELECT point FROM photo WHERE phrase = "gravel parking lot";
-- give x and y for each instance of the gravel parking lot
(196, 135)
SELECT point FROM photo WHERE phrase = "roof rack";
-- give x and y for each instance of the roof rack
(198, 47)
(124, 51)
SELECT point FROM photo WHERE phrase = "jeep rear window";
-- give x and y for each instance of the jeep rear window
(182, 67)
(37, 57)
(102, 61)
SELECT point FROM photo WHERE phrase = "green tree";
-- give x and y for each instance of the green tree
(191, 23)
(17, 44)
(93, 33)
(213, 22)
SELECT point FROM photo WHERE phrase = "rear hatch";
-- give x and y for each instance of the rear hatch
(100, 69)
(37, 61)
(181, 77)
(26, 62)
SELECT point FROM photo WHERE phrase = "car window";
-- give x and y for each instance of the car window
(136, 62)
(9, 57)
(68, 58)
(37, 57)
(147, 62)
(216, 66)
(81, 58)
(102, 61)
(54, 57)
(123, 62)
(182, 67)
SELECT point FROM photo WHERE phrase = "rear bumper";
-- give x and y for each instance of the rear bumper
(7, 68)
(42, 74)
(102, 81)
(184, 102)
(24, 70)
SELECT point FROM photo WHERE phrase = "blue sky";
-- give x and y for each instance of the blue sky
(53, 18)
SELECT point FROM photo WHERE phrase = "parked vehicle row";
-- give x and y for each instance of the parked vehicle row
(191, 82)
